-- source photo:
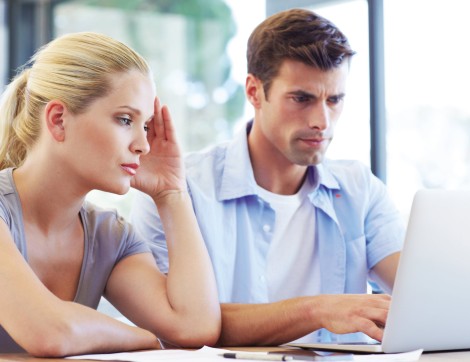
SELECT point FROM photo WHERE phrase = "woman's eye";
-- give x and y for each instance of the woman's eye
(125, 121)
(146, 128)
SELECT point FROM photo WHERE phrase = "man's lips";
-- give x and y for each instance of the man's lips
(130, 168)
(313, 142)
(317, 140)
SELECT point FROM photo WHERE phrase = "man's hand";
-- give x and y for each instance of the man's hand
(349, 313)
(280, 322)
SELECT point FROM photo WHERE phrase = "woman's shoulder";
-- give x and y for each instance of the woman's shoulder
(10, 208)
(109, 229)
(98, 217)
(6, 182)
(8, 196)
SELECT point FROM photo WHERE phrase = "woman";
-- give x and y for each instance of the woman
(84, 116)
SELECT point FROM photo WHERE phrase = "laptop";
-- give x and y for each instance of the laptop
(430, 306)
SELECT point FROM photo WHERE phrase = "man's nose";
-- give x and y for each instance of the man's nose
(320, 117)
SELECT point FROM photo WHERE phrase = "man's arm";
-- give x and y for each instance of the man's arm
(385, 270)
(285, 321)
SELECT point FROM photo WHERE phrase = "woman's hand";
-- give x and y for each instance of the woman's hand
(161, 171)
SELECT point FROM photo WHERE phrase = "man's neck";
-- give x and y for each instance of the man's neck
(282, 182)
(273, 171)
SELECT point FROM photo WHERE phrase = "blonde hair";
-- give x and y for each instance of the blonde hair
(74, 69)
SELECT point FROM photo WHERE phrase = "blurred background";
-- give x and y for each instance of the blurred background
(407, 111)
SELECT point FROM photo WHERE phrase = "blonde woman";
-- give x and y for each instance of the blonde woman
(84, 115)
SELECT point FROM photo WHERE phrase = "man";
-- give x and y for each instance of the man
(293, 237)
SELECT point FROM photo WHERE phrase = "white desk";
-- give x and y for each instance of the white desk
(426, 357)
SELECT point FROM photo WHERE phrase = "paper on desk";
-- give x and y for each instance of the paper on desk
(147, 356)
(213, 354)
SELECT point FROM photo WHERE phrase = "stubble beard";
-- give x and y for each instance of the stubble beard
(304, 158)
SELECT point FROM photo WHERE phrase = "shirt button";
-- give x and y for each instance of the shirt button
(262, 279)
(266, 228)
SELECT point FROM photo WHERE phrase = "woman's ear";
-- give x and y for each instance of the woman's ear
(54, 117)
(254, 90)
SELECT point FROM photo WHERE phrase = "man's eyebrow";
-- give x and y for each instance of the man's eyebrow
(302, 93)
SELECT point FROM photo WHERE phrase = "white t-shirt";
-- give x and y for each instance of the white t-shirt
(292, 265)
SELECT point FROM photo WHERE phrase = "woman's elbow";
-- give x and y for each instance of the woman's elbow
(194, 335)
(209, 334)
(53, 343)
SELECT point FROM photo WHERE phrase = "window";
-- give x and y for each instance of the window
(427, 77)
(3, 45)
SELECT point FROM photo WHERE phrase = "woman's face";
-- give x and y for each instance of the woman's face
(103, 145)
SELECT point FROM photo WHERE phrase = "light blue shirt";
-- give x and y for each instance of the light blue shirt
(357, 225)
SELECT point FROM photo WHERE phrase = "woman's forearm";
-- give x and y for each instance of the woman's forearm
(190, 275)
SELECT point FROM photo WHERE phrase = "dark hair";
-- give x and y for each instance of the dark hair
(295, 34)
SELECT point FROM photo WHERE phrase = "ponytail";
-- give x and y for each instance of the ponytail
(14, 140)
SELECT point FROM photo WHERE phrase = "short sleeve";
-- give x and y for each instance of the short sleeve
(147, 223)
(4, 214)
(109, 238)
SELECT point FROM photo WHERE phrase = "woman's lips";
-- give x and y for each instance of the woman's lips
(130, 168)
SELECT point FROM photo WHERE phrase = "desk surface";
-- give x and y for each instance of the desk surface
(425, 357)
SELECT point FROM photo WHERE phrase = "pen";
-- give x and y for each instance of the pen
(258, 356)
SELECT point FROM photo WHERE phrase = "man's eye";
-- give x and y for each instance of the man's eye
(301, 99)
(335, 100)
(125, 121)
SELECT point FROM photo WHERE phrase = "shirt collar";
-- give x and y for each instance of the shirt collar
(238, 179)
(324, 175)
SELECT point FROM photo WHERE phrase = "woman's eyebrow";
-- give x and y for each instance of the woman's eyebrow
(134, 110)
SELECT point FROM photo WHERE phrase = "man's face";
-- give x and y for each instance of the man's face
(295, 121)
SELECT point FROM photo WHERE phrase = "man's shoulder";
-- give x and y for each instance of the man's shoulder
(352, 176)
(347, 175)
(209, 159)
(346, 168)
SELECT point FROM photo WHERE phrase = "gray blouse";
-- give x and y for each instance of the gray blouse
(108, 239)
